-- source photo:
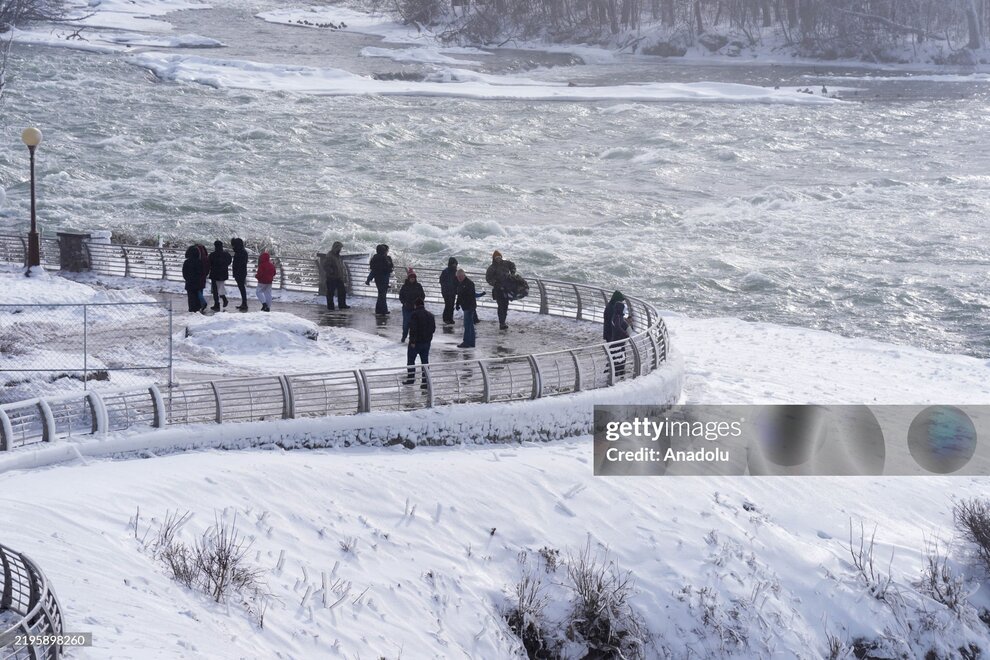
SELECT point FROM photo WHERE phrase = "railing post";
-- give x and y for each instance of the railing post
(161, 255)
(364, 392)
(429, 384)
(216, 396)
(537, 378)
(611, 364)
(158, 404)
(47, 421)
(544, 303)
(577, 371)
(637, 360)
(577, 297)
(652, 334)
(486, 385)
(24, 249)
(101, 419)
(127, 262)
(288, 403)
(85, 347)
(6, 432)
(281, 273)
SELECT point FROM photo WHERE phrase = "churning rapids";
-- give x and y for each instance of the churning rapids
(865, 218)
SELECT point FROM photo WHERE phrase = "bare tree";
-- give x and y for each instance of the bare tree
(18, 12)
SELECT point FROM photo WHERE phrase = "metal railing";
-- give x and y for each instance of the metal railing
(349, 392)
(14, 250)
(26, 595)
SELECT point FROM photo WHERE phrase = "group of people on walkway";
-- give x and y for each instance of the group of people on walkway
(216, 267)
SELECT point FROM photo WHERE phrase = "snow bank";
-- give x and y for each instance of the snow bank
(109, 42)
(49, 288)
(238, 74)
(421, 54)
(134, 15)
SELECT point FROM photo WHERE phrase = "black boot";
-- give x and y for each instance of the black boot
(224, 299)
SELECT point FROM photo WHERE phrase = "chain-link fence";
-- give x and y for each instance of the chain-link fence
(46, 349)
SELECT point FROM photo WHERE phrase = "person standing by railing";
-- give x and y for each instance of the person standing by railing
(220, 261)
(422, 326)
(335, 276)
(410, 292)
(448, 289)
(609, 314)
(265, 277)
(381, 269)
(467, 299)
(192, 275)
(498, 275)
(204, 274)
(620, 333)
(239, 268)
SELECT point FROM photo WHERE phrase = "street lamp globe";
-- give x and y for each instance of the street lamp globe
(31, 137)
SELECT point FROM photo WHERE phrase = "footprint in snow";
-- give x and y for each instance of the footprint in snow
(823, 535)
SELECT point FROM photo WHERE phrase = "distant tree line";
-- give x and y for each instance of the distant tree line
(838, 28)
(14, 13)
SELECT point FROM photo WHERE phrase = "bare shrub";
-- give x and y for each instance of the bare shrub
(221, 555)
(972, 519)
(602, 616)
(862, 553)
(526, 616)
(939, 582)
(551, 558)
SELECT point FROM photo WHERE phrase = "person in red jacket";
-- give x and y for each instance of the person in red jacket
(265, 277)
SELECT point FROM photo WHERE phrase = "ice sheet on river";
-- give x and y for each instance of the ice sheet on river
(458, 83)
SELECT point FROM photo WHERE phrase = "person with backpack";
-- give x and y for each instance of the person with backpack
(239, 269)
(191, 275)
(448, 289)
(380, 267)
(609, 314)
(335, 277)
(422, 326)
(498, 275)
(204, 274)
(410, 292)
(220, 261)
(265, 277)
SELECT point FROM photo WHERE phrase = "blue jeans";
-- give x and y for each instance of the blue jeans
(406, 316)
(469, 327)
(422, 349)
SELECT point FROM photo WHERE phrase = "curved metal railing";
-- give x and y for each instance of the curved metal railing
(28, 599)
(352, 391)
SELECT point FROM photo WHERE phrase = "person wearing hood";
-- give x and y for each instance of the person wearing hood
(497, 275)
(380, 267)
(422, 326)
(192, 275)
(620, 333)
(239, 270)
(467, 299)
(410, 292)
(609, 313)
(219, 272)
(448, 289)
(335, 276)
(265, 277)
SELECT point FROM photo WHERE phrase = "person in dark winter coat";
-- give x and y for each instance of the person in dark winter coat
(467, 299)
(239, 269)
(422, 325)
(380, 267)
(609, 313)
(204, 270)
(335, 277)
(448, 289)
(192, 275)
(620, 332)
(265, 276)
(410, 292)
(496, 275)
(219, 272)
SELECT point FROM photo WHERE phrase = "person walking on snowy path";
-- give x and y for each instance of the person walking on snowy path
(609, 313)
(380, 267)
(265, 277)
(448, 289)
(497, 276)
(239, 270)
(410, 292)
(422, 326)
(220, 261)
(192, 275)
(335, 277)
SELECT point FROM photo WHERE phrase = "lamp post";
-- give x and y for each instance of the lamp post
(32, 138)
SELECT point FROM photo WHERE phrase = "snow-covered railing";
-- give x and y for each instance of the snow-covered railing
(28, 601)
(352, 391)
(14, 249)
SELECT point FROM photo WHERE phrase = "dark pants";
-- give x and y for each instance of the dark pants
(243, 289)
(336, 287)
(406, 317)
(469, 327)
(448, 308)
(381, 306)
(215, 290)
(503, 305)
(194, 304)
(422, 349)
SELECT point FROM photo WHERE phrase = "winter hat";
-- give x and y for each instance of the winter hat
(452, 262)
(496, 255)
(410, 272)
(218, 245)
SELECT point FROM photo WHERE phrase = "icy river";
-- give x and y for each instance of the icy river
(866, 218)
